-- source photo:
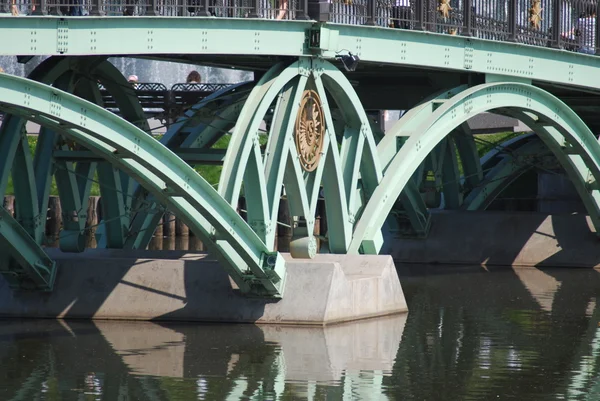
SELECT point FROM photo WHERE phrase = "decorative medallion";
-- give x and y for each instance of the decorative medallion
(310, 130)
(444, 8)
(535, 13)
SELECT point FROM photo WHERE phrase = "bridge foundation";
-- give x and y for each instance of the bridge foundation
(171, 285)
(515, 239)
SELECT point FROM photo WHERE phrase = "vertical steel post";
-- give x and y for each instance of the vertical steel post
(371, 12)
(468, 18)
(319, 10)
(419, 16)
(203, 9)
(151, 8)
(597, 41)
(556, 28)
(254, 12)
(96, 10)
(512, 20)
(302, 13)
(42, 8)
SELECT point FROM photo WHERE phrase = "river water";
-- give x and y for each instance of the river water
(470, 335)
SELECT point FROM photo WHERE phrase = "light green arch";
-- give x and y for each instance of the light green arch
(559, 127)
(198, 128)
(349, 174)
(165, 175)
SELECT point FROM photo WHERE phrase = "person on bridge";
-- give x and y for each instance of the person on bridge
(283, 4)
(584, 32)
(193, 77)
(133, 80)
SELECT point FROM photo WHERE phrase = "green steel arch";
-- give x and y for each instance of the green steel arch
(199, 128)
(560, 128)
(78, 75)
(166, 176)
(348, 175)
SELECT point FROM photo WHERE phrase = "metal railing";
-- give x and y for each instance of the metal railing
(157, 100)
(568, 24)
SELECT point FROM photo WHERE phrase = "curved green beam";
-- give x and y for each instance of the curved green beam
(25, 261)
(342, 171)
(576, 138)
(200, 127)
(164, 174)
(243, 160)
(116, 187)
(358, 153)
(574, 160)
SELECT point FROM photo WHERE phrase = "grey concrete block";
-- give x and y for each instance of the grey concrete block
(501, 239)
(111, 284)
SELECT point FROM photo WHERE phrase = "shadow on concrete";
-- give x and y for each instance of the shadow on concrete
(498, 239)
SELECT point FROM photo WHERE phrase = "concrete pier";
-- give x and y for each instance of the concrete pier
(501, 239)
(172, 285)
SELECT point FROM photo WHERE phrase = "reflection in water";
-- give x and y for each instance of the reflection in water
(482, 335)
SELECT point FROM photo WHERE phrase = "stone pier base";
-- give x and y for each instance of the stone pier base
(171, 285)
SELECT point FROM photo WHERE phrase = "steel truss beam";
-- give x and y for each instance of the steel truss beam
(169, 178)
(176, 36)
(559, 127)
(191, 137)
(349, 175)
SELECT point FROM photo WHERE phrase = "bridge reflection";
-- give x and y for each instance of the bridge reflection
(475, 334)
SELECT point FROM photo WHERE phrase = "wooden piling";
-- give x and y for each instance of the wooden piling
(54, 220)
(169, 229)
(91, 221)
(9, 204)
(181, 229)
(158, 231)
(182, 243)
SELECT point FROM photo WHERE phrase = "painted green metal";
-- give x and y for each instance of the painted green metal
(575, 140)
(348, 175)
(28, 267)
(577, 161)
(169, 178)
(24, 258)
(469, 157)
(199, 128)
(150, 36)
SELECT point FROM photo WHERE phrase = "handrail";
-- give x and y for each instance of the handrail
(565, 24)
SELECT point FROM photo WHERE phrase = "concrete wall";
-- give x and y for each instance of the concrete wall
(502, 239)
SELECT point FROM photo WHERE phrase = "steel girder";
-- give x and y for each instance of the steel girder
(168, 177)
(23, 258)
(348, 175)
(559, 127)
(230, 36)
(199, 128)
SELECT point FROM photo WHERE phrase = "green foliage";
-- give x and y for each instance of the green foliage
(485, 143)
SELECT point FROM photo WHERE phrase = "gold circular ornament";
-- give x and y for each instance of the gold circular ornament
(310, 130)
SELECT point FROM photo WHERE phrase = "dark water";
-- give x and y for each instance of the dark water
(477, 335)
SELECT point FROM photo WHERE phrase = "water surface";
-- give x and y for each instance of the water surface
(473, 335)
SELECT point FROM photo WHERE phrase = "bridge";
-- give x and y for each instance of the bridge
(319, 67)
